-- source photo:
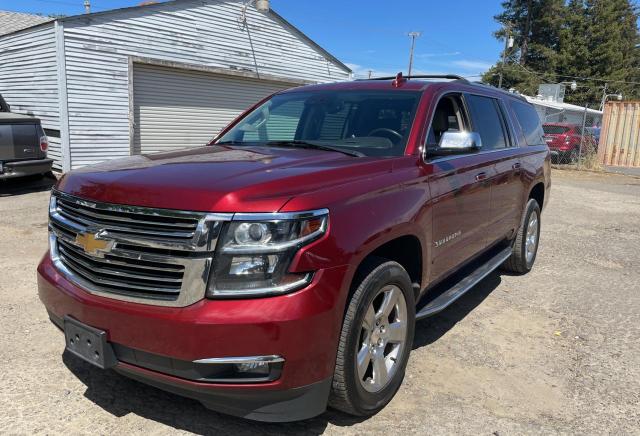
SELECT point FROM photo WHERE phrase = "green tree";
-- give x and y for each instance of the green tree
(535, 26)
(582, 40)
(612, 41)
(574, 50)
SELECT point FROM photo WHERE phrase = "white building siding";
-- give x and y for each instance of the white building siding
(207, 33)
(28, 78)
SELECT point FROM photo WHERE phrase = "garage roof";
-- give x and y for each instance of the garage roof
(13, 21)
(151, 6)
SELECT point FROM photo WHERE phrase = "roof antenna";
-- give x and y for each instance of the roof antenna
(398, 81)
(87, 7)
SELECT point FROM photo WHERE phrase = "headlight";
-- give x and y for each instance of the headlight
(255, 251)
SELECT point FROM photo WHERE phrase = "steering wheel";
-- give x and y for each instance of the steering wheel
(390, 132)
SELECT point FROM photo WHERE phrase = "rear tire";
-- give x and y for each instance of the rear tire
(525, 246)
(374, 345)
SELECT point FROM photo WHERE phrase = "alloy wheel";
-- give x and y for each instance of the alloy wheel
(531, 242)
(383, 337)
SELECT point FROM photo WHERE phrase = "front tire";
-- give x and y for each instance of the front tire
(376, 339)
(525, 246)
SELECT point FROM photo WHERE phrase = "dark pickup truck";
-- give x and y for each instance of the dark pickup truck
(282, 268)
(23, 146)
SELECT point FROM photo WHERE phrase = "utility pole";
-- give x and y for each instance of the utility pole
(508, 43)
(370, 71)
(413, 36)
(604, 97)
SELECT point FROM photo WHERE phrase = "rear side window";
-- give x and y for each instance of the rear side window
(552, 129)
(19, 134)
(530, 123)
(487, 121)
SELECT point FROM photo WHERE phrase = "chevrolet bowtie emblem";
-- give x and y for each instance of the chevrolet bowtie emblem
(91, 244)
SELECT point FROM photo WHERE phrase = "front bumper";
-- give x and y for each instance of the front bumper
(25, 168)
(302, 327)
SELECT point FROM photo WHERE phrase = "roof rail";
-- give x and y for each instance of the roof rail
(424, 76)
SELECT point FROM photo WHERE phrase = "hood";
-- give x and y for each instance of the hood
(217, 178)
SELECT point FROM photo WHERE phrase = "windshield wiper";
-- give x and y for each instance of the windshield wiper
(314, 146)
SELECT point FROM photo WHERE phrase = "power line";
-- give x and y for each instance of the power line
(594, 79)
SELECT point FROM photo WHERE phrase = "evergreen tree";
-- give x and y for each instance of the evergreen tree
(555, 42)
(574, 49)
(535, 26)
(613, 36)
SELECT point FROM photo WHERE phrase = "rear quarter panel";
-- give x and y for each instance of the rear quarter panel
(535, 161)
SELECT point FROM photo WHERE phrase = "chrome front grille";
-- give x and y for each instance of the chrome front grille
(124, 220)
(145, 255)
(124, 276)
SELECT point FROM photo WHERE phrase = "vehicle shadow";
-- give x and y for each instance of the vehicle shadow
(433, 328)
(121, 396)
(26, 185)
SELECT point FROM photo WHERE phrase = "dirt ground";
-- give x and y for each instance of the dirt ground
(555, 351)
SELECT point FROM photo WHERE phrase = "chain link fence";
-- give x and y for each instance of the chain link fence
(572, 136)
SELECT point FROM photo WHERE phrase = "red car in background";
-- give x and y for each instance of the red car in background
(564, 141)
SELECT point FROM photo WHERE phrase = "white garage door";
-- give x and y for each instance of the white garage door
(175, 108)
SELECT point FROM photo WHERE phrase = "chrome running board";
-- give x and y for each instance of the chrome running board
(459, 289)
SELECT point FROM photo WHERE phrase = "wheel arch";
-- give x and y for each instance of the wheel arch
(537, 192)
(405, 249)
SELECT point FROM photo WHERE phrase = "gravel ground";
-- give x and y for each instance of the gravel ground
(556, 351)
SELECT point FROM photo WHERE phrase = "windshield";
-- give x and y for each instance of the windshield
(371, 123)
(550, 129)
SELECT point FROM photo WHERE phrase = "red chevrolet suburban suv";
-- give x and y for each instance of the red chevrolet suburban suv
(282, 268)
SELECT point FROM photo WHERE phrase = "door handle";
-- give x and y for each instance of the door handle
(481, 176)
(516, 166)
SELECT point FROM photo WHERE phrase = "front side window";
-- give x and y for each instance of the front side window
(371, 123)
(448, 116)
(487, 121)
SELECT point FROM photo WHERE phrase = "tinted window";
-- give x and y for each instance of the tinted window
(375, 123)
(18, 134)
(487, 121)
(551, 129)
(529, 122)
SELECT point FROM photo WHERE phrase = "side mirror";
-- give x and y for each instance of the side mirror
(456, 143)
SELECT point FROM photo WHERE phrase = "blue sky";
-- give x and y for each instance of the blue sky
(367, 34)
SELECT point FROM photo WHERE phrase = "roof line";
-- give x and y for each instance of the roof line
(118, 10)
(170, 2)
(310, 41)
(45, 23)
